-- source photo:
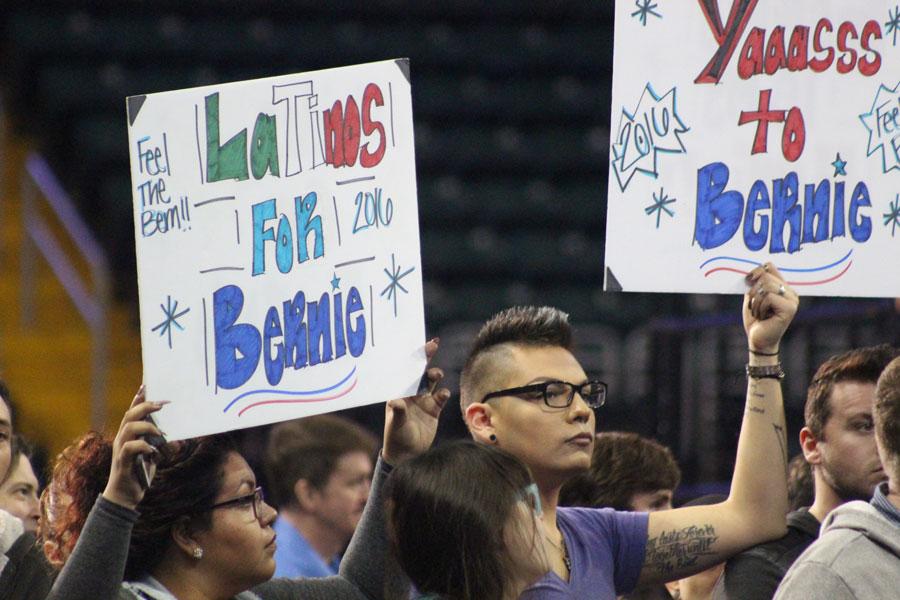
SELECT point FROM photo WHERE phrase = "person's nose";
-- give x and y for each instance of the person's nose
(34, 507)
(579, 411)
(268, 514)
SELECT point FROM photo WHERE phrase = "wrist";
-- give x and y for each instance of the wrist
(762, 358)
(766, 352)
(111, 496)
(768, 371)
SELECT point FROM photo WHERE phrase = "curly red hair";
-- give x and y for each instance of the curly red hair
(79, 475)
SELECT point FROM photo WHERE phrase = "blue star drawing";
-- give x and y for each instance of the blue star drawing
(893, 217)
(394, 275)
(882, 124)
(894, 24)
(645, 9)
(659, 205)
(335, 282)
(653, 127)
(839, 166)
(171, 318)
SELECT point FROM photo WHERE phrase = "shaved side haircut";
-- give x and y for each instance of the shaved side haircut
(530, 326)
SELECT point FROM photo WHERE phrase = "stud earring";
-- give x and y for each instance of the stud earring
(198, 552)
(493, 438)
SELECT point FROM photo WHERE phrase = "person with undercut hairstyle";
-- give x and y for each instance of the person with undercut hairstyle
(838, 442)
(523, 390)
(628, 472)
(857, 555)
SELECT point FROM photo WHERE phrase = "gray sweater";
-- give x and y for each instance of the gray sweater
(857, 556)
(96, 567)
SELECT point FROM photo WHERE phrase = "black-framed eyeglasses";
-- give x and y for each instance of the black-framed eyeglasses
(255, 499)
(557, 394)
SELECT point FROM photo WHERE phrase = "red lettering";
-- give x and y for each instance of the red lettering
(726, 36)
(775, 58)
(845, 66)
(763, 116)
(370, 95)
(820, 64)
(751, 61)
(351, 131)
(793, 137)
(866, 66)
(797, 48)
(344, 131)
(334, 135)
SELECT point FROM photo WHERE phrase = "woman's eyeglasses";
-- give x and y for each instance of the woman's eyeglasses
(255, 499)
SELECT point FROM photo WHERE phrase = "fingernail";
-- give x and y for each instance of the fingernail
(161, 403)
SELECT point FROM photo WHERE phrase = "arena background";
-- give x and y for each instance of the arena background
(511, 105)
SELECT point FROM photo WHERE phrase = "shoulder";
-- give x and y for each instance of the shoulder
(601, 518)
(803, 529)
(324, 588)
(854, 541)
(814, 580)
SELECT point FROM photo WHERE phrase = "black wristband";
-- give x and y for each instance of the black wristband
(765, 371)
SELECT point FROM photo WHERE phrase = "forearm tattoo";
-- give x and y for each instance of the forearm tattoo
(679, 548)
(782, 443)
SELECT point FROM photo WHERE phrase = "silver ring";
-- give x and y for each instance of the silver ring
(781, 290)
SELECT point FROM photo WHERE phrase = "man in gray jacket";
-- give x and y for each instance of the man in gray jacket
(857, 554)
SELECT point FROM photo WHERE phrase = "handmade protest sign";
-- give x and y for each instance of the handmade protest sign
(277, 240)
(746, 131)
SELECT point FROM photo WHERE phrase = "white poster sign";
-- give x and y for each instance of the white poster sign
(746, 131)
(277, 238)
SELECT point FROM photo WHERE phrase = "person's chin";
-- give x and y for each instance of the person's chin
(268, 570)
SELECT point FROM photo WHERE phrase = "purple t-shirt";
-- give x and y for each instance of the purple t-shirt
(606, 548)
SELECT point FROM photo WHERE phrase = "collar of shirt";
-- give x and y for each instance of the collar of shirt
(884, 506)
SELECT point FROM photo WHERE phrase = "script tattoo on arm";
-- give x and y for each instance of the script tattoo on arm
(679, 548)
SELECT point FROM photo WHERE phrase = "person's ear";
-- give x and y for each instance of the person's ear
(306, 495)
(810, 446)
(184, 537)
(480, 419)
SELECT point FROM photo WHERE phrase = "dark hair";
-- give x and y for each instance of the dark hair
(21, 447)
(310, 449)
(520, 325)
(623, 464)
(801, 490)
(188, 479)
(446, 512)
(887, 415)
(18, 446)
(861, 364)
(6, 397)
(79, 475)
